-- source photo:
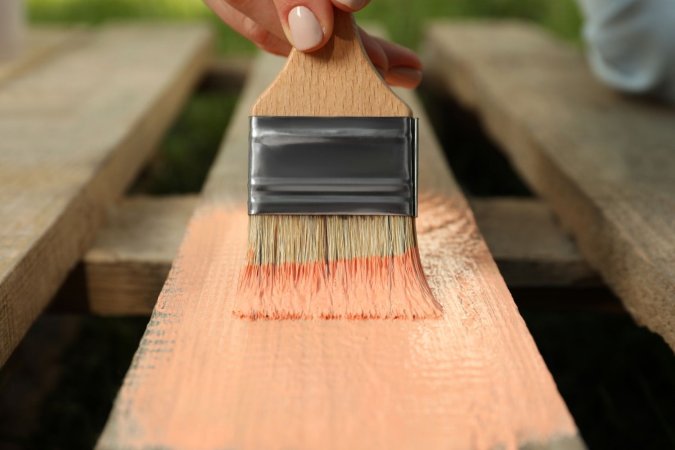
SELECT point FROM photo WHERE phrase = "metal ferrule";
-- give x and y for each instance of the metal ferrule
(333, 166)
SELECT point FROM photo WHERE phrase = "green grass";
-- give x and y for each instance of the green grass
(404, 19)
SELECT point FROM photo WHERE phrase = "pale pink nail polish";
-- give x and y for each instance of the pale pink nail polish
(306, 32)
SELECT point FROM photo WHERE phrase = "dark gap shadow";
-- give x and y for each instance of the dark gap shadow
(185, 155)
(480, 167)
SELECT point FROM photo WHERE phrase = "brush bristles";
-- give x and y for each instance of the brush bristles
(330, 267)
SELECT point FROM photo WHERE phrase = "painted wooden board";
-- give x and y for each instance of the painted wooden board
(124, 270)
(41, 45)
(605, 163)
(204, 379)
(74, 132)
(528, 244)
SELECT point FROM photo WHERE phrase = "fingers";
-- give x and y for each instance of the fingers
(350, 5)
(251, 30)
(398, 65)
(399, 56)
(375, 52)
(260, 11)
(307, 25)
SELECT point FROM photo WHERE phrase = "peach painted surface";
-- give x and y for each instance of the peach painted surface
(233, 383)
(395, 287)
(205, 379)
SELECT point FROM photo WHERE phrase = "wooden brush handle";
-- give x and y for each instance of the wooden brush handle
(336, 80)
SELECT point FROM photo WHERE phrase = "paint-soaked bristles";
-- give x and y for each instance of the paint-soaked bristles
(331, 267)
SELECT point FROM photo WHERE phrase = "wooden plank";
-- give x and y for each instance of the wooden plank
(74, 134)
(124, 270)
(605, 163)
(530, 248)
(204, 379)
(41, 45)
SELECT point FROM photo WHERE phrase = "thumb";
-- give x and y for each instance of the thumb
(307, 24)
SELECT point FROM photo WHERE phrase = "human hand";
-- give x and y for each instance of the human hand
(276, 25)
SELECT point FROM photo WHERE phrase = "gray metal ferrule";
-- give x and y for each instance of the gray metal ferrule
(333, 166)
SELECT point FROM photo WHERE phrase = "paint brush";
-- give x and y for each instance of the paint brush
(333, 193)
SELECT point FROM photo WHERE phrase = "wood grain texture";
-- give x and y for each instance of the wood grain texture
(203, 379)
(124, 270)
(529, 245)
(40, 45)
(74, 133)
(356, 88)
(605, 163)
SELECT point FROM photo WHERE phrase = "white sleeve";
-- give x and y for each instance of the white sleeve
(631, 44)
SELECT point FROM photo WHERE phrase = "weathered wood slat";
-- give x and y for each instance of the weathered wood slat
(203, 379)
(528, 245)
(74, 133)
(605, 163)
(41, 44)
(124, 270)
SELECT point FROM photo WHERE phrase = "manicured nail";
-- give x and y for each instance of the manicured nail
(306, 30)
(404, 76)
(353, 4)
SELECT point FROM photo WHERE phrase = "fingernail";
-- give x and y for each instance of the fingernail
(404, 76)
(353, 4)
(306, 30)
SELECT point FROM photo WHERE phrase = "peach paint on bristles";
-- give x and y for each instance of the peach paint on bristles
(376, 287)
(305, 265)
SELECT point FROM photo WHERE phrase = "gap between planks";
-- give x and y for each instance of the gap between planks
(605, 163)
(203, 379)
(123, 272)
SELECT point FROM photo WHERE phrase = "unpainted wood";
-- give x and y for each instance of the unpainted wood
(204, 379)
(74, 132)
(604, 162)
(124, 270)
(337, 80)
(528, 244)
(40, 45)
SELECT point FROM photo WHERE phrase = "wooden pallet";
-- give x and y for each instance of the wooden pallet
(124, 270)
(205, 379)
(604, 163)
(202, 379)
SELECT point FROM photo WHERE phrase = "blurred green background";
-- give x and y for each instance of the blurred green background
(618, 379)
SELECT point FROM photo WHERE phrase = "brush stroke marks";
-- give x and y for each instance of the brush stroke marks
(205, 379)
